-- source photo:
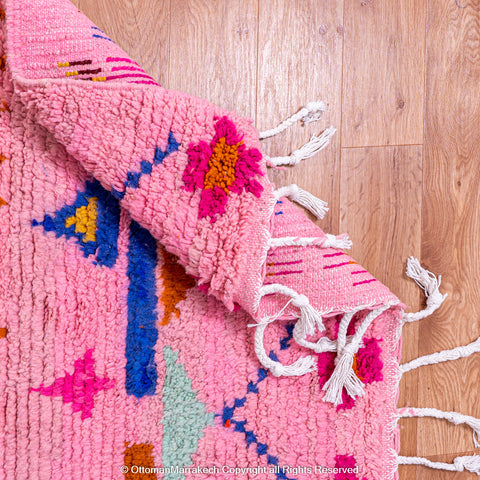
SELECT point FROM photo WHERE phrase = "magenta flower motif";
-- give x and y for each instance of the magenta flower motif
(367, 365)
(80, 387)
(223, 167)
(346, 462)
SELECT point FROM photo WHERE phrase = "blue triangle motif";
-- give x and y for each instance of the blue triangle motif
(93, 220)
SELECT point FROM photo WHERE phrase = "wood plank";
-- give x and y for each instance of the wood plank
(450, 221)
(383, 74)
(141, 28)
(380, 208)
(213, 52)
(300, 60)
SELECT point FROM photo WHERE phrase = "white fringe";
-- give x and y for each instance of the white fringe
(429, 283)
(310, 113)
(344, 376)
(313, 146)
(324, 344)
(299, 367)
(341, 242)
(470, 463)
(443, 356)
(308, 320)
(453, 417)
(313, 204)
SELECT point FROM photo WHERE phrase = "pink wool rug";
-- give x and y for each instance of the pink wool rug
(166, 312)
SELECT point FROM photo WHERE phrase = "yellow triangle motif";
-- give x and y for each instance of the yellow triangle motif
(85, 220)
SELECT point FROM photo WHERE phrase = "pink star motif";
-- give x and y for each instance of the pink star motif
(80, 387)
(220, 168)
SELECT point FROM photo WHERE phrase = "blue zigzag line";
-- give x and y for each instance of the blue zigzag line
(96, 35)
(250, 437)
(279, 202)
(103, 38)
(133, 178)
(284, 342)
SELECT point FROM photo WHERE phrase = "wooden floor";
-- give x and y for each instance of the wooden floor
(402, 176)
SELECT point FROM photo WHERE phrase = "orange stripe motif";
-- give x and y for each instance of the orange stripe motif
(176, 282)
(5, 107)
(139, 455)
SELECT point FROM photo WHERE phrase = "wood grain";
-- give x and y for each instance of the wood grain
(300, 60)
(383, 73)
(400, 79)
(213, 52)
(450, 221)
(141, 28)
(386, 182)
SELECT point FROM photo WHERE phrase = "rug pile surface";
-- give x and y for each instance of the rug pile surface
(140, 241)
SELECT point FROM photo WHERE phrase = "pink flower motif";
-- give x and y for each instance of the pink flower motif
(223, 167)
(346, 462)
(367, 365)
(80, 387)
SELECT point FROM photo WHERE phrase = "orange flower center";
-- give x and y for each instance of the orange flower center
(355, 367)
(221, 166)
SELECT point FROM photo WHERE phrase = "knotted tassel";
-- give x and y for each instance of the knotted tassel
(324, 344)
(429, 283)
(309, 317)
(313, 146)
(310, 113)
(313, 204)
(344, 376)
(341, 241)
(299, 367)
(310, 320)
(315, 111)
(470, 463)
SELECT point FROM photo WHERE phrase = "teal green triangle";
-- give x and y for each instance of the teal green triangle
(184, 416)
